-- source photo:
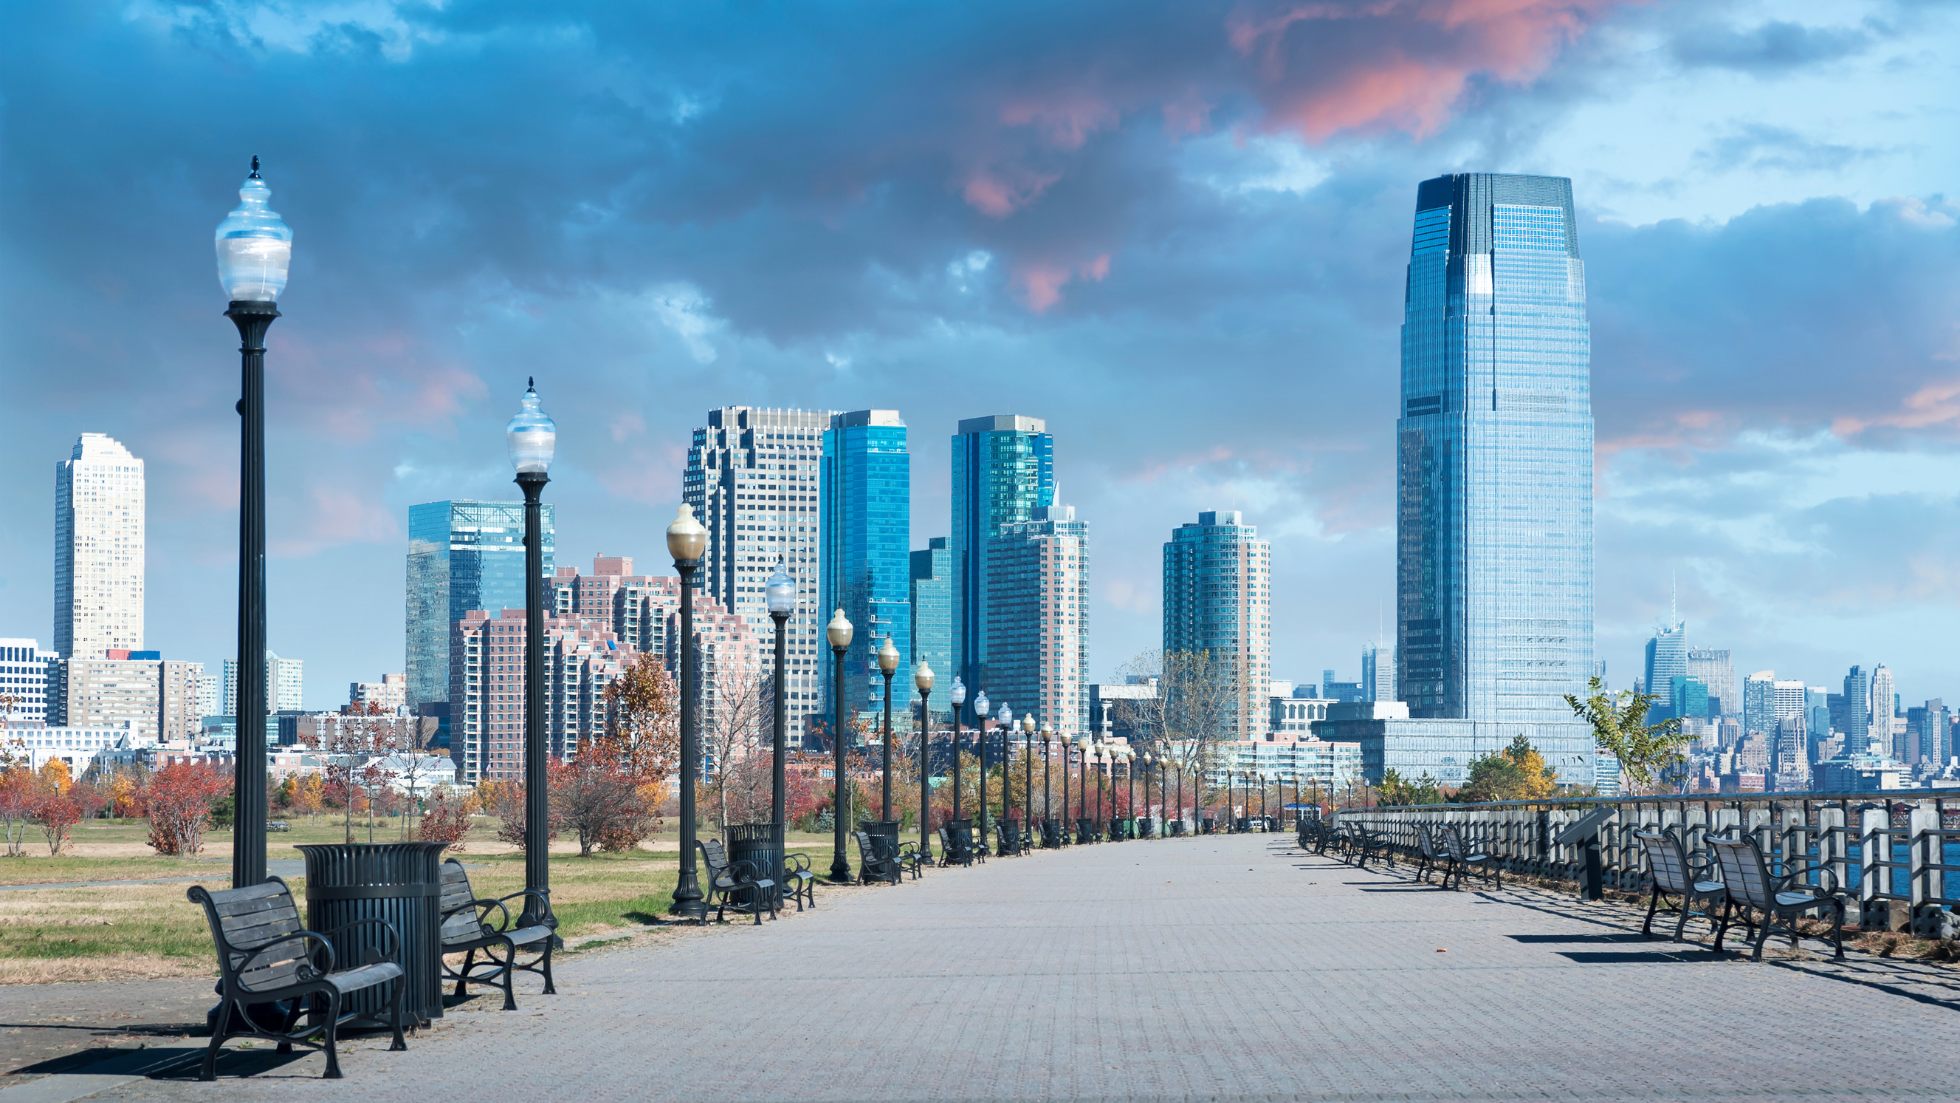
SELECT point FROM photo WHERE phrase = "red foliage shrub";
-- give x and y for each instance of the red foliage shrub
(179, 799)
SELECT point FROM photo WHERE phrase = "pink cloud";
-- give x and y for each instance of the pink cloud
(337, 517)
(1040, 283)
(1066, 120)
(989, 194)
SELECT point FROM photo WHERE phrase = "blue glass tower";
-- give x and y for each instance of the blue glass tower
(1494, 452)
(1003, 470)
(866, 562)
(932, 606)
(462, 555)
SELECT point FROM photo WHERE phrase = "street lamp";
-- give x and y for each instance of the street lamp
(888, 665)
(1027, 771)
(1146, 832)
(686, 540)
(1047, 782)
(922, 678)
(780, 595)
(959, 701)
(254, 250)
(979, 715)
(533, 439)
(1083, 743)
(1006, 716)
(839, 633)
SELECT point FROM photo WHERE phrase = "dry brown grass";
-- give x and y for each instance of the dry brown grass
(126, 965)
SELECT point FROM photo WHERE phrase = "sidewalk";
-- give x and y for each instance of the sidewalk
(1225, 968)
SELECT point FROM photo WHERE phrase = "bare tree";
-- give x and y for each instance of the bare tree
(732, 738)
(1195, 709)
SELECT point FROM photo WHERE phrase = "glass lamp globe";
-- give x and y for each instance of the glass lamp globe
(922, 677)
(780, 592)
(687, 538)
(839, 630)
(533, 436)
(1083, 741)
(958, 692)
(255, 246)
(1006, 715)
(1027, 724)
(888, 657)
(980, 705)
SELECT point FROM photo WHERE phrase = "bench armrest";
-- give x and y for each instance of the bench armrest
(1830, 886)
(247, 957)
(544, 905)
(482, 907)
(394, 952)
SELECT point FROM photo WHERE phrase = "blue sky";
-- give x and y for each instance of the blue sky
(1175, 230)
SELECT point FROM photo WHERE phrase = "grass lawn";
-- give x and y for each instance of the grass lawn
(138, 930)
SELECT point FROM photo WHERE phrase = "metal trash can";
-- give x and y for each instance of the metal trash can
(397, 882)
(1177, 827)
(755, 843)
(1211, 825)
(1146, 828)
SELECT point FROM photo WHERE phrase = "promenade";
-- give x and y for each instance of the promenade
(1230, 968)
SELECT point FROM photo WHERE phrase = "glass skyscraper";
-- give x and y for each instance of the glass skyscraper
(866, 531)
(1494, 450)
(1218, 598)
(1003, 470)
(462, 555)
(932, 608)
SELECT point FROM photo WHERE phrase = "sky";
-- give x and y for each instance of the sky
(1177, 231)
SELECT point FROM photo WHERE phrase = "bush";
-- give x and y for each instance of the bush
(446, 821)
(179, 800)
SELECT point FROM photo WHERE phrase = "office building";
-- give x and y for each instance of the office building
(463, 555)
(1038, 618)
(1687, 700)
(1856, 713)
(1667, 659)
(1713, 668)
(155, 697)
(866, 530)
(932, 608)
(1122, 710)
(1494, 452)
(1003, 469)
(1295, 715)
(285, 685)
(1879, 728)
(1378, 673)
(1759, 703)
(78, 748)
(98, 550)
(388, 694)
(24, 675)
(1218, 599)
(1817, 719)
(754, 477)
(1312, 764)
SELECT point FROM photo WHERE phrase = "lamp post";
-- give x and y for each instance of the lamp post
(922, 678)
(1006, 718)
(1027, 768)
(1006, 735)
(1262, 801)
(980, 714)
(1130, 788)
(1146, 788)
(1047, 782)
(1086, 744)
(1180, 795)
(959, 702)
(888, 665)
(780, 592)
(686, 540)
(839, 633)
(1102, 760)
(533, 439)
(255, 248)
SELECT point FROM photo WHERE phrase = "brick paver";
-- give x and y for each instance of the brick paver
(1232, 968)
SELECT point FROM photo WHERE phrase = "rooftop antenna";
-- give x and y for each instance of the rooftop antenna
(1673, 586)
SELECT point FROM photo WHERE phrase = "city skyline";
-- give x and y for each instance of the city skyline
(1189, 274)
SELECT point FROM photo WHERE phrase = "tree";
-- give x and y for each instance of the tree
(1620, 728)
(179, 799)
(348, 747)
(56, 812)
(55, 777)
(643, 725)
(1395, 790)
(507, 802)
(447, 820)
(17, 790)
(1195, 708)
(732, 739)
(596, 798)
(1518, 772)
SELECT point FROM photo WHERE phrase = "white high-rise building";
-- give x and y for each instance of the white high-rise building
(24, 673)
(1879, 727)
(98, 550)
(1378, 673)
(754, 479)
(1217, 598)
(284, 683)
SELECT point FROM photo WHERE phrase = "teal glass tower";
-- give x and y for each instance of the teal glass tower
(866, 531)
(1494, 451)
(462, 555)
(932, 606)
(1003, 470)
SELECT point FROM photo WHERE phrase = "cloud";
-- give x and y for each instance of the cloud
(1041, 282)
(1756, 146)
(1769, 48)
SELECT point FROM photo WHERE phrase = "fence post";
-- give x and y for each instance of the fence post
(1871, 848)
(1831, 845)
(1796, 843)
(1757, 820)
(1923, 846)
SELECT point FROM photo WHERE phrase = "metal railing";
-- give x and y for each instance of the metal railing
(1881, 846)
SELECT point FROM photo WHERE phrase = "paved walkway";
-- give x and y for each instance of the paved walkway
(1230, 968)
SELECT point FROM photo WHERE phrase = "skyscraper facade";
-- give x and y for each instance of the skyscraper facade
(867, 533)
(1038, 618)
(1879, 727)
(1218, 599)
(1667, 658)
(1003, 470)
(1713, 668)
(1494, 447)
(98, 549)
(932, 607)
(754, 477)
(285, 685)
(1378, 673)
(25, 673)
(462, 555)
(1857, 711)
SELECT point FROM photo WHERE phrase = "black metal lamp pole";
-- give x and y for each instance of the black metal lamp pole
(1130, 784)
(254, 249)
(687, 539)
(922, 678)
(1027, 770)
(1006, 720)
(888, 665)
(1180, 794)
(1047, 781)
(839, 633)
(1099, 790)
(533, 439)
(781, 594)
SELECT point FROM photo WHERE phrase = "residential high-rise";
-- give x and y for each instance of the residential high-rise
(462, 555)
(1713, 668)
(1817, 718)
(1879, 729)
(1857, 711)
(25, 671)
(98, 550)
(388, 694)
(1378, 673)
(932, 606)
(866, 529)
(1003, 470)
(155, 696)
(1218, 599)
(1038, 618)
(754, 478)
(285, 685)
(1759, 703)
(1494, 455)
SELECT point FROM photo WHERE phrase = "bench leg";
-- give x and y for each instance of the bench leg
(1837, 929)
(333, 1028)
(1722, 924)
(462, 976)
(510, 973)
(210, 1069)
(401, 998)
(1769, 924)
(1654, 903)
(550, 986)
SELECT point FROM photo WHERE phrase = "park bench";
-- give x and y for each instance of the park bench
(874, 862)
(1748, 884)
(1051, 833)
(1676, 874)
(1358, 844)
(1428, 854)
(728, 878)
(980, 850)
(467, 928)
(1009, 834)
(953, 850)
(798, 880)
(265, 957)
(1462, 858)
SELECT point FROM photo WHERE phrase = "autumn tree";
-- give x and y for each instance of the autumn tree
(1518, 772)
(56, 812)
(348, 746)
(1397, 790)
(179, 799)
(18, 787)
(447, 819)
(643, 723)
(1620, 728)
